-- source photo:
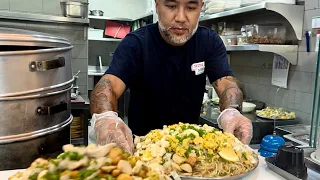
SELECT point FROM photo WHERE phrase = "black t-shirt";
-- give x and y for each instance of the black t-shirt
(167, 82)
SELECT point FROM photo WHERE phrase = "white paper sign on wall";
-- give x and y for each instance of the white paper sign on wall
(280, 71)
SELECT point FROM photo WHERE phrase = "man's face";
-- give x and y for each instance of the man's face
(178, 19)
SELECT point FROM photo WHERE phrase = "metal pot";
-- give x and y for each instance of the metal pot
(35, 104)
(20, 154)
(32, 62)
(33, 112)
(74, 9)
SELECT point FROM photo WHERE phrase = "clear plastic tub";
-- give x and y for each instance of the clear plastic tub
(264, 34)
(231, 40)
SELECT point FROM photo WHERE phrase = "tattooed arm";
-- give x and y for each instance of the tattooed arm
(106, 93)
(229, 92)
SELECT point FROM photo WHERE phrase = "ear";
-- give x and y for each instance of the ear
(156, 2)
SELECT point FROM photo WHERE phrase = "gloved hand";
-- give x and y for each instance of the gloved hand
(232, 121)
(109, 128)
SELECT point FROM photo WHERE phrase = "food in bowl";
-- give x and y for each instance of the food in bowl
(275, 113)
(193, 150)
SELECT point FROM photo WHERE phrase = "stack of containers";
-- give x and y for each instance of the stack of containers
(214, 6)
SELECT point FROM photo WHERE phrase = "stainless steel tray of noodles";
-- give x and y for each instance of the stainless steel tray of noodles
(236, 177)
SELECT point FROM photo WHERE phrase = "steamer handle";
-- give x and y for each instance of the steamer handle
(47, 64)
(50, 110)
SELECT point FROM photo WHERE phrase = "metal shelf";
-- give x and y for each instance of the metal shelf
(120, 19)
(290, 52)
(292, 13)
(109, 18)
(104, 39)
(41, 18)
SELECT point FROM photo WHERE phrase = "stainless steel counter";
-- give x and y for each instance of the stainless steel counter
(96, 70)
(41, 17)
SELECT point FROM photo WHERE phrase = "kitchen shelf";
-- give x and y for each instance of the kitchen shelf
(41, 18)
(292, 13)
(120, 19)
(104, 39)
(290, 52)
(109, 18)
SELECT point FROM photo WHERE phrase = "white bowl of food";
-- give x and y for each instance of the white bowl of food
(248, 107)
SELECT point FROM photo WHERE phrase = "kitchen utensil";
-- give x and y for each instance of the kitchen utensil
(74, 9)
(291, 159)
(42, 60)
(96, 12)
(35, 103)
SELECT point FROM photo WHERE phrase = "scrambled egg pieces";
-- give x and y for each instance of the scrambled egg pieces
(182, 140)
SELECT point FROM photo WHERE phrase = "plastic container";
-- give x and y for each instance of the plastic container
(264, 34)
(241, 40)
(231, 40)
(291, 159)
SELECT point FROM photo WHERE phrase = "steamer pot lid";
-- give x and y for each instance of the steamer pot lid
(21, 37)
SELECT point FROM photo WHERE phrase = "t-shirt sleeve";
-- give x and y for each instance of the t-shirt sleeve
(217, 65)
(125, 61)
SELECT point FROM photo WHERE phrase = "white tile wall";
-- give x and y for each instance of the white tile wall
(4, 5)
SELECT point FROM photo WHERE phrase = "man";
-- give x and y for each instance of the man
(165, 66)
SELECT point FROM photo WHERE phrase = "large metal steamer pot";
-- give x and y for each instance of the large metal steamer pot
(35, 96)
(32, 62)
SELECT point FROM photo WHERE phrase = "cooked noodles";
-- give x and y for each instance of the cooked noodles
(195, 150)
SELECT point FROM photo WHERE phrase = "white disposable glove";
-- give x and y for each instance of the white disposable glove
(232, 121)
(109, 128)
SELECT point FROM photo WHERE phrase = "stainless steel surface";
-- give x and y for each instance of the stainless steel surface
(22, 110)
(96, 12)
(295, 129)
(109, 18)
(24, 38)
(74, 9)
(289, 52)
(302, 139)
(220, 178)
(35, 134)
(42, 61)
(310, 163)
(96, 70)
(58, 86)
(105, 39)
(14, 15)
(279, 171)
(293, 14)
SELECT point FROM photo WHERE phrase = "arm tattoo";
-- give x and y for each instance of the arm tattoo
(230, 96)
(103, 98)
(229, 78)
(229, 92)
